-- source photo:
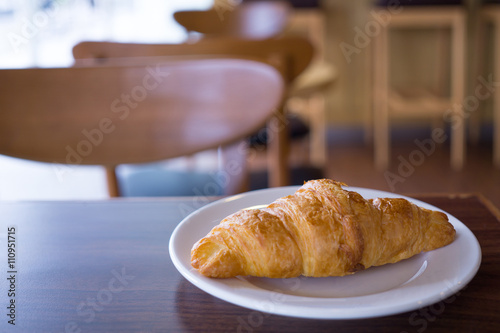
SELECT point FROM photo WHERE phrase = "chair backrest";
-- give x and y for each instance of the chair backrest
(111, 115)
(255, 20)
(290, 54)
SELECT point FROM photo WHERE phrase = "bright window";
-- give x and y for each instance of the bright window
(42, 32)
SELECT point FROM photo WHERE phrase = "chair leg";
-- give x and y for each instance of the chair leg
(457, 91)
(479, 61)
(113, 188)
(380, 100)
(318, 149)
(277, 153)
(496, 133)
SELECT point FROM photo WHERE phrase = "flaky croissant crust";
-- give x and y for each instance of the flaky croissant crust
(321, 230)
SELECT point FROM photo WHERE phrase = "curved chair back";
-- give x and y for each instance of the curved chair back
(111, 115)
(291, 55)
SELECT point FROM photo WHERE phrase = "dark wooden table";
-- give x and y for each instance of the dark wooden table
(104, 266)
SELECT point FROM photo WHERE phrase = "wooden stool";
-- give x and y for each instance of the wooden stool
(307, 91)
(387, 101)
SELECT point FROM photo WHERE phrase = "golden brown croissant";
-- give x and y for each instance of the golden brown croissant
(321, 230)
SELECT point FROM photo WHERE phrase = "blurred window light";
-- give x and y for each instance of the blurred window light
(41, 33)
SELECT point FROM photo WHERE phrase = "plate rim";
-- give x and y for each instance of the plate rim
(294, 311)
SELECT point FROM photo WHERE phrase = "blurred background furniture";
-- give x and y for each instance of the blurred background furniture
(490, 14)
(120, 114)
(254, 20)
(290, 55)
(348, 100)
(307, 96)
(448, 18)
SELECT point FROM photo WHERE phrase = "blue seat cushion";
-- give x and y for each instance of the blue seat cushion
(158, 182)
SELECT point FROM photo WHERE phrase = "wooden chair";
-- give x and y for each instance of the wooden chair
(123, 114)
(253, 20)
(256, 20)
(309, 91)
(388, 101)
(290, 55)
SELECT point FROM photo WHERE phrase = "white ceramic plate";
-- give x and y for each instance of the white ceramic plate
(410, 284)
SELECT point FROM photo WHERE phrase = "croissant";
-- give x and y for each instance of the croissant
(321, 230)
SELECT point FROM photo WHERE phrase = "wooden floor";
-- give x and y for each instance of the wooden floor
(413, 169)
